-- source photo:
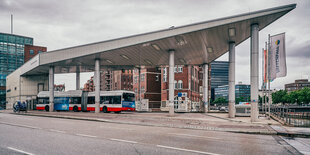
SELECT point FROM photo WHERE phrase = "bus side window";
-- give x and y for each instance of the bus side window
(103, 100)
(91, 100)
(116, 99)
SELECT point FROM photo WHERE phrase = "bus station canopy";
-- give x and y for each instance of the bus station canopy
(194, 44)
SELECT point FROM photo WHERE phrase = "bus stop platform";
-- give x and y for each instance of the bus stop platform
(200, 121)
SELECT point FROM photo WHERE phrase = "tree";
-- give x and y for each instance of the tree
(279, 96)
(220, 100)
(239, 99)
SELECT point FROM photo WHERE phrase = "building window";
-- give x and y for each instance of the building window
(142, 89)
(39, 51)
(136, 79)
(180, 69)
(175, 84)
(165, 74)
(175, 69)
(180, 83)
(31, 52)
(142, 77)
(157, 78)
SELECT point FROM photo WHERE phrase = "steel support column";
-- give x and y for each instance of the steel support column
(231, 89)
(205, 88)
(171, 82)
(97, 86)
(77, 78)
(51, 88)
(254, 72)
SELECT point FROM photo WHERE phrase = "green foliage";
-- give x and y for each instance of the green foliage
(279, 96)
(220, 100)
(299, 96)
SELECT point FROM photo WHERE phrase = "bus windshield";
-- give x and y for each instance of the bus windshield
(129, 97)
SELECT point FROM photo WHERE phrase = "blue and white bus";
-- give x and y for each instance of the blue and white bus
(77, 100)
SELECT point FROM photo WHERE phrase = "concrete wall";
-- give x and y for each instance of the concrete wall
(23, 88)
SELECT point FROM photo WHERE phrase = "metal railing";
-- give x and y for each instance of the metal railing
(290, 116)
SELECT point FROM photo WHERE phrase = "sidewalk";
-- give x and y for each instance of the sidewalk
(200, 121)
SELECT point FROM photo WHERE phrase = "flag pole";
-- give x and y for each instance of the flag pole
(269, 95)
(263, 83)
(265, 76)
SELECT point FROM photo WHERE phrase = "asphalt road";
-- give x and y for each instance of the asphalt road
(21, 134)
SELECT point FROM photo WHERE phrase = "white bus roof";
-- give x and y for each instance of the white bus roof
(111, 93)
(78, 93)
(71, 93)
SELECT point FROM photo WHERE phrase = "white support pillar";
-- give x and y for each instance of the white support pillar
(51, 88)
(205, 88)
(254, 72)
(171, 82)
(97, 86)
(231, 89)
(140, 84)
(77, 78)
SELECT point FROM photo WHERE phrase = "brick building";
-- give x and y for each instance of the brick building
(297, 85)
(106, 78)
(112, 80)
(186, 82)
(150, 83)
(122, 80)
(31, 51)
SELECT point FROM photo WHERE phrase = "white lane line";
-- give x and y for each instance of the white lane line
(84, 135)
(109, 127)
(20, 125)
(180, 149)
(59, 131)
(193, 136)
(121, 140)
(20, 151)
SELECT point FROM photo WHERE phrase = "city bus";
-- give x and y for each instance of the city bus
(77, 100)
(63, 101)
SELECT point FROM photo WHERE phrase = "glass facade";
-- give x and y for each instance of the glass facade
(241, 91)
(221, 91)
(219, 75)
(11, 57)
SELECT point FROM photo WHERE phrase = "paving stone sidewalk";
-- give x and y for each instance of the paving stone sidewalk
(200, 121)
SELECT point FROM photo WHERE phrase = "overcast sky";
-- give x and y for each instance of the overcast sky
(66, 23)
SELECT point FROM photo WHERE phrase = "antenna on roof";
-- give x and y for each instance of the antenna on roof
(11, 23)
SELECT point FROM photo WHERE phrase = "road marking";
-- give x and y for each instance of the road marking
(91, 136)
(121, 140)
(180, 149)
(20, 125)
(109, 127)
(193, 135)
(20, 151)
(59, 131)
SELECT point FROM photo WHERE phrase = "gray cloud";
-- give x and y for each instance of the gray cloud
(68, 23)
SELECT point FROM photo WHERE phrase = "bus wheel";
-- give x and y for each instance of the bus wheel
(117, 112)
(75, 109)
(105, 109)
(47, 108)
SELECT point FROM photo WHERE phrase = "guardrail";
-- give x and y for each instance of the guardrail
(290, 116)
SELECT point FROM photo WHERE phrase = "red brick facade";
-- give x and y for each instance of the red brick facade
(150, 86)
(186, 79)
(30, 51)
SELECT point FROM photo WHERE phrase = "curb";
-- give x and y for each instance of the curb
(196, 127)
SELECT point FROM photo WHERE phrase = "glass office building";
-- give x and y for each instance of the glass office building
(11, 58)
(219, 75)
(241, 91)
